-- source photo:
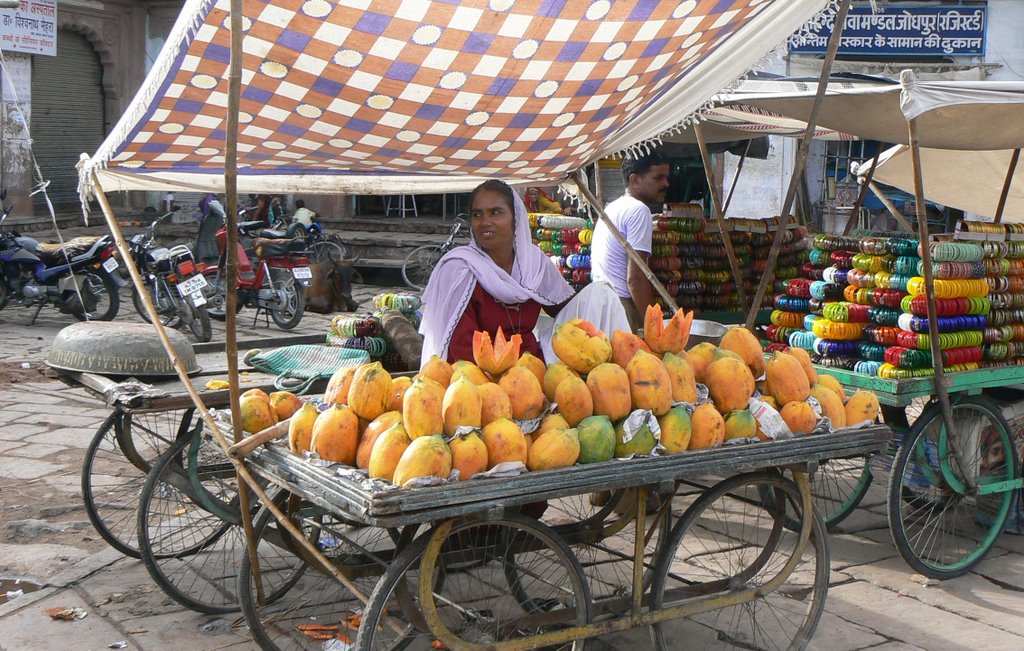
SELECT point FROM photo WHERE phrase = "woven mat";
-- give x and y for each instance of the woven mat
(298, 367)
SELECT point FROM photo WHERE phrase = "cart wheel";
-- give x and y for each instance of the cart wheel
(115, 467)
(188, 536)
(942, 527)
(600, 529)
(302, 603)
(733, 539)
(837, 487)
(473, 603)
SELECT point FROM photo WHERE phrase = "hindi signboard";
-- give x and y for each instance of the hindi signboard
(31, 28)
(898, 30)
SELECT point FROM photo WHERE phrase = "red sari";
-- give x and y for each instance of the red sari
(483, 313)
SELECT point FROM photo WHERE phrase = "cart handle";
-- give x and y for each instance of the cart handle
(242, 449)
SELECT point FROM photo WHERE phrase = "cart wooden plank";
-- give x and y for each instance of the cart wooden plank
(901, 393)
(322, 486)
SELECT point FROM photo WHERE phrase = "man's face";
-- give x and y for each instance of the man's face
(651, 186)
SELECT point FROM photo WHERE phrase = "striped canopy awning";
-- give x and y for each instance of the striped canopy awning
(424, 96)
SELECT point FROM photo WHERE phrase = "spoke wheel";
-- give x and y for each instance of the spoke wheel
(473, 601)
(102, 294)
(732, 539)
(115, 467)
(419, 264)
(325, 250)
(165, 306)
(303, 603)
(941, 526)
(288, 316)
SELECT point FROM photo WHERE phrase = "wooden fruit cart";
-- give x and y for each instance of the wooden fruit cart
(458, 563)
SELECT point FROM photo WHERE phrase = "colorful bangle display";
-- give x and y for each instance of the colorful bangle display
(827, 329)
(846, 312)
(802, 339)
(919, 324)
(885, 316)
(786, 319)
(872, 351)
(949, 288)
(947, 306)
(955, 252)
(947, 340)
(355, 325)
(867, 367)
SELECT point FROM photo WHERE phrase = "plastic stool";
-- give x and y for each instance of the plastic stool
(401, 205)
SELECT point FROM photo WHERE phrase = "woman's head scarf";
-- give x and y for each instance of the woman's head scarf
(452, 282)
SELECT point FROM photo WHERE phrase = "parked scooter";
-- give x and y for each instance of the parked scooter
(272, 273)
(174, 281)
(77, 278)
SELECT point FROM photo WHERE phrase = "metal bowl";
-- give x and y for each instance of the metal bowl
(118, 349)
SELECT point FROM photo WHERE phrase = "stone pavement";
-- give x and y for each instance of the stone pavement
(875, 601)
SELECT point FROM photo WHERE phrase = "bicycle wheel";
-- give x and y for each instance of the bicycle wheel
(838, 487)
(325, 250)
(115, 466)
(472, 602)
(731, 539)
(188, 536)
(419, 264)
(302, 603)
(941, 526)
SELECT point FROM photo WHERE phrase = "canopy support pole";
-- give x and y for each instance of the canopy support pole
(231, 275)
(719, 212)
(581, 183)
(941, 390)
(855, 211)
(897, 215)
(798, 165)
(739, 170)
(1006, 185)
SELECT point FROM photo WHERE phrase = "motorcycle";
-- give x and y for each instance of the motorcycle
(174, 281)
(77, 277)
(272, 273)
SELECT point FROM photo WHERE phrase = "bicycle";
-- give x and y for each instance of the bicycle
(420, 263)
(319, 245)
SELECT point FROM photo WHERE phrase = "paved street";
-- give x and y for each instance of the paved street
(875, 600)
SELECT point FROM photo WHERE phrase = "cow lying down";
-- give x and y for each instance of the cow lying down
(331, 288)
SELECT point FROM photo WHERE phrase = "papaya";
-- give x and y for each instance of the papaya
(596, 436)
(574, 400)
(370, 392)
(505, 442)
(386, 452)
(398, 387)
(642, 441)
(469, 454)
(422, 412)
(426, 456)
(438, 370)
(831, 406)
(257, 413)
(786, 379)
(730, 383)
(497, 357)
(554, 374)
(799, 416)
(624, 346)
(722, 352)
(649, 383)
(377, 426)
(830, 382)
(862, 405)
(666, 338)
(676, 429)
(549, 422)
(461, 405)
(680, 374)
(300, 428)
(285, 403)
(743, 342)
(338, 385)
(708, 427)
(609, 387)
(336, 435)
(494, 404)
(534, 364)
(556, 448)
(740, 424)
(580, 345)
(471, 371)
(804, 358)
(699, 357)
(524, 392)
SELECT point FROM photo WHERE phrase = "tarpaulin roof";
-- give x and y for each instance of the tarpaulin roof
(424, 96)
(968, 180)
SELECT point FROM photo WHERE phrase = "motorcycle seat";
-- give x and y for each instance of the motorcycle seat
(277, 247)
(294, 230)
(271, 234)
(252, 227)
(53, 253)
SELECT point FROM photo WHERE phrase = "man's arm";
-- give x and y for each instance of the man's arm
(640, 289)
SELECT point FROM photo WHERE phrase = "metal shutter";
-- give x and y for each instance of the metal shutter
(66, 114)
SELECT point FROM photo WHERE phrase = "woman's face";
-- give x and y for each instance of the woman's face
(492, 221)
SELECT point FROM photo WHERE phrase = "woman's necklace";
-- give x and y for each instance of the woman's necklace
(518, 325)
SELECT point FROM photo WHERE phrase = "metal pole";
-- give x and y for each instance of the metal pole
(719, 212)
(581, 183)
(1006, 185)
(801, 157)
(861, 195)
